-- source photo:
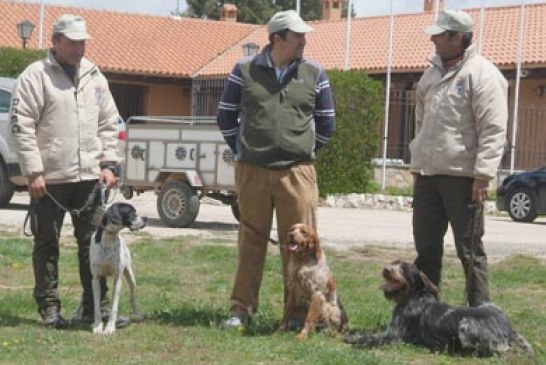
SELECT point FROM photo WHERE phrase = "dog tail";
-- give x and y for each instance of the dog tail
(344, 327)
(522, 344)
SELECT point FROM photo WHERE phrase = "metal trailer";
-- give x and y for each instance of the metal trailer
(181, 159)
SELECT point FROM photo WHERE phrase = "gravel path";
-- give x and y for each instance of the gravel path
(339, 228)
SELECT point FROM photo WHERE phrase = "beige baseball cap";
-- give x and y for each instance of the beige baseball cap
(72, 27)
(453, 20)
(288, 19)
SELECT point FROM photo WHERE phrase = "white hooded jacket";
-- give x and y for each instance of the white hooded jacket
(460, 119)
(61, 130)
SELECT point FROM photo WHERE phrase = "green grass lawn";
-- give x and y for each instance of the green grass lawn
(183, 291)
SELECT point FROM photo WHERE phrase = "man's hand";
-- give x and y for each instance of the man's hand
(479, 190)
(36, 186)
(107, 178)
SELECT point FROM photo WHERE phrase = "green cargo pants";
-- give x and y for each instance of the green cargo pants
(437, 201)
(46, 224)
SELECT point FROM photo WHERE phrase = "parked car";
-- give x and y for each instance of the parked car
(523, 195)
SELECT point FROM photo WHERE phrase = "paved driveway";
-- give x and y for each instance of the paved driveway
(339, 228)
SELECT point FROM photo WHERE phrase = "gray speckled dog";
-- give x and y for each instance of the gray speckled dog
(419, 318)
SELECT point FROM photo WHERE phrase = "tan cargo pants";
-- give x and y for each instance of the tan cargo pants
(291, 193)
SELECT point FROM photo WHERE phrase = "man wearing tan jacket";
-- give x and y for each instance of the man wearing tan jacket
(64, 125)
(461, 115)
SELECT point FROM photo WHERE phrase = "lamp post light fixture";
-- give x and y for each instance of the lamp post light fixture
(25, 29)
(250, 49)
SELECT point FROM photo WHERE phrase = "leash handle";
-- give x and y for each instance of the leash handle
(102, 188)
(255, 231)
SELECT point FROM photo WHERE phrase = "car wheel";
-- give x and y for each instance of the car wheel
(522, 205)
(6, 186)
(177, 204)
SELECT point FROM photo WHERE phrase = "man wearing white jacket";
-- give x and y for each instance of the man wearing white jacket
(64, 124)
(461, 116)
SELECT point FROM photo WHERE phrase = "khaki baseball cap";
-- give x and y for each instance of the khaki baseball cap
(453, 20)
(72, 27)
(288, 19)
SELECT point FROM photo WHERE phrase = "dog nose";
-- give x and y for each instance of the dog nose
(144, 218)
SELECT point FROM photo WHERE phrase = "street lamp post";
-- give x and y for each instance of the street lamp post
(24, 29)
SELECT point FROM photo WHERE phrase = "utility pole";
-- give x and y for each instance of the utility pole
(41, 25)
(348, 37)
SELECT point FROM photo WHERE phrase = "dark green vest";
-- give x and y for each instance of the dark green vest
(277, 118)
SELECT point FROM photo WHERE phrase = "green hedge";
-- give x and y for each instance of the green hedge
(344, 165)
(14, 60)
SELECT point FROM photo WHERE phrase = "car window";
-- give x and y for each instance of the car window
(5, 97)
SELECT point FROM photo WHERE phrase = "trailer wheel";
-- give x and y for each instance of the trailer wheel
(177, 204)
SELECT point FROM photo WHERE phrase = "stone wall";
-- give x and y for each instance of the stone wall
(380, 201)
(397, 173)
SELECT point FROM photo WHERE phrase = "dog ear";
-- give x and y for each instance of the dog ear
(315, 241)
(429, 286)
(104, 221)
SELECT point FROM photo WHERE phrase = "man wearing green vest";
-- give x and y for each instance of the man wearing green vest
(275, 113)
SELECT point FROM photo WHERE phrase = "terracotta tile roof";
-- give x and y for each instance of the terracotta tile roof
(132, 43)
(369, 41)
(167, 47)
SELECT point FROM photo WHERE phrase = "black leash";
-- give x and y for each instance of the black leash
(256, 232)
(100, 189)
(474, 210)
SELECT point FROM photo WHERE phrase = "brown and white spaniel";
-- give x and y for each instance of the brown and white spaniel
(311, 285)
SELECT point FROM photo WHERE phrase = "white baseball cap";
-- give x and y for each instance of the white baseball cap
(288, 19)
(453, 20)
(72, 27)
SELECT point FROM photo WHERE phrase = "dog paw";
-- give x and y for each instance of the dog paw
(97, 329)
(109, 329)
(336, 334)
(137, 317)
